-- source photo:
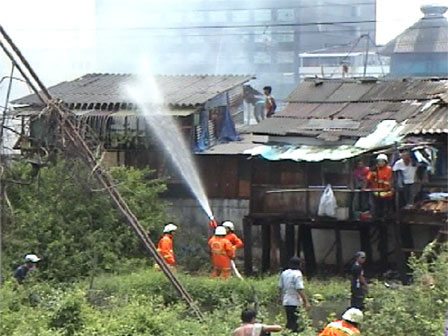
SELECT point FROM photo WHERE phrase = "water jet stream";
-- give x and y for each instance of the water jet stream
(145, 93)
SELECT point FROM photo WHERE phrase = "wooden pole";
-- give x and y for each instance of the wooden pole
(289, 241)
(247, 235)
(308, 249)
(70, 135)
(366, 245)
(280, 246)
(339, 260)
(265, 247)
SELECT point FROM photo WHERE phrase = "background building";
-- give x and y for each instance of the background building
(261, 37)
(422, 49)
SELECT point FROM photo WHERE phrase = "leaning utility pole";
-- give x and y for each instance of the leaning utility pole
(65, 125)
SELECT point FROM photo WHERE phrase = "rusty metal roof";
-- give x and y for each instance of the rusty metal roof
(362, 104)
(98, 90)
(433, 120)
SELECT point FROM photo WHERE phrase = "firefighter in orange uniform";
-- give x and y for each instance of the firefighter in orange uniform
(348, 326)
(221, 252)
(231, 236)
(165, 244)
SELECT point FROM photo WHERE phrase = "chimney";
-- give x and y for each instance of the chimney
(433, 11)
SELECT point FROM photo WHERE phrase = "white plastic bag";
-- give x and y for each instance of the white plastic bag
(327, 203)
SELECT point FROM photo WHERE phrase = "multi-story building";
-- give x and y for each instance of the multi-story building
(262, 37)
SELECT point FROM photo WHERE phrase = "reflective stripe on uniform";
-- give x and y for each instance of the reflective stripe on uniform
(338, 325)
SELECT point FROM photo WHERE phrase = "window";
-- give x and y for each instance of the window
(262, 57)
(240, 58)
(240, 16)
(311, 61)
(283, 36)
(217, 16)
(262, 36)
(285, 57)
(285, 14)
(262, 15)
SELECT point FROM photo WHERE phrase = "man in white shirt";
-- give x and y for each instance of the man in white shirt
(292, 293)
(408, 170)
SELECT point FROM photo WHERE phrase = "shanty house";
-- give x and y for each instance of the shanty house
(313, 141)
(205, 107)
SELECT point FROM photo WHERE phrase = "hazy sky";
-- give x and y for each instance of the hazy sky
(65, 30)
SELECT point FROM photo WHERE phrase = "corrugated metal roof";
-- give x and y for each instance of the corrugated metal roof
(428, 35)
(94, 90)
(373, 102)
(433, 120)
(314, 91)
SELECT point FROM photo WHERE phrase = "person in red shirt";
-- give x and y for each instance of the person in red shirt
(165, 244)
(380, 178)
(231, 236)
(347, 326)
(221, 253)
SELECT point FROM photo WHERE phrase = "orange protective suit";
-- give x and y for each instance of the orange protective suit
(165, 248)
(221, 252)
(381, 178)
(340, 328)
(234, 239)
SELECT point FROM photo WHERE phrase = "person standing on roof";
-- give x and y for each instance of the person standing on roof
(380, 178)
(22, 271)
(293, 294)
(165, 244)
(221, 253)
(269, 103)
(347, 326)
(231, 236)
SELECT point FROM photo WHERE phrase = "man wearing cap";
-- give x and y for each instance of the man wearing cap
(165, 244)
(358, 281)
(380, 178)
(21, 272)
(347, 326)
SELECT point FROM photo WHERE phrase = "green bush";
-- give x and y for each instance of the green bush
(66, 217)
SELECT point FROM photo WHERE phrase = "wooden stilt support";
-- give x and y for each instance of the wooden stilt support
(308, 249)
(289, 241)
(299, 246)
(383, 245)
(339, 260)
(265, 247)
(366, 245)
(280, 245)
(247, 236)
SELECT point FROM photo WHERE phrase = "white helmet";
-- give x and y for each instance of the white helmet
(32, 258)
(229, 225)
(220, 231)
(169, 228)
(382, 157)
(353, 315)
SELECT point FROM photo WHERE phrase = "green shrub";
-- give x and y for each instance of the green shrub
(66, 217)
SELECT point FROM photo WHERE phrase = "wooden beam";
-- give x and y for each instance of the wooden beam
(308, 249)
(383, 245)
(247, 235)
(366, 245)
(289, 241)
(265, 247)
(279, 246)
(339, 260)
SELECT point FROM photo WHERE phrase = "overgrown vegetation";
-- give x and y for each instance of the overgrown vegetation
(143, 303)
(66, 218)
